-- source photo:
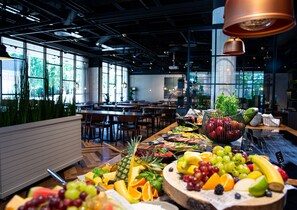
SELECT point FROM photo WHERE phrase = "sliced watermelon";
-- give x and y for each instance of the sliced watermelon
(37, 191)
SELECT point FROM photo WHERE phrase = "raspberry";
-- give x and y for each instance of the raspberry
(219, 189)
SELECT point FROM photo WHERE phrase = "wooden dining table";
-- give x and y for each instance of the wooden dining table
(111, 115)
(118, 106)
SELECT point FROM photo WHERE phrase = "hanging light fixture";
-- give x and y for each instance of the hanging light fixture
(124, 85)
(3, 54)
(234, 46)
(258, 18)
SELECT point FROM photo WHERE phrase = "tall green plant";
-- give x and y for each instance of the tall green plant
(23, 110)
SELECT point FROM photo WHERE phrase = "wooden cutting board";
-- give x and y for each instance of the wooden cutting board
(172, 185)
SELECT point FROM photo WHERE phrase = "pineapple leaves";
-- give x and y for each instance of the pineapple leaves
(133, 146)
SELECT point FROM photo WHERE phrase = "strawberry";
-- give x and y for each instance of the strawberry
(251, 166)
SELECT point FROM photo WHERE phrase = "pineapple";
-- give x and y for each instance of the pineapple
(151, 163)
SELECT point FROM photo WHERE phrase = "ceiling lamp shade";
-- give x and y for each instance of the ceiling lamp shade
(258, 18)
(3, 54)
(234, 46)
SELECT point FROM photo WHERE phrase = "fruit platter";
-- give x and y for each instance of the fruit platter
(225, 179)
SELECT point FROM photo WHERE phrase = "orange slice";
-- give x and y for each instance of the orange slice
(212, 182)
(138, 182)
(227, 181)
(134, 193)
(147, 192)
(155, 193)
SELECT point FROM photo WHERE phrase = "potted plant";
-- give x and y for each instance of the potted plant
(36, 135)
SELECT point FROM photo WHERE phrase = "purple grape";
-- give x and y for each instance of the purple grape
(45, 207)
(77, 202)
(41, 199)
(61, 194)
(67, 202)
(64, 185)
(98, 190)
(54, 202)
(83, 195)
(62, 206)
(27, 204)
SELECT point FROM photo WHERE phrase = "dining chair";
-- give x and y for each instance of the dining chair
(85, 125)
(147, 122)
(126, 124)
(99, 122)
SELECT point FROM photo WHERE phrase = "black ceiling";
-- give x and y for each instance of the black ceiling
(141, 34)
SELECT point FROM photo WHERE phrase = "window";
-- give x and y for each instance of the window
(80, 77)
(53, 68)
(68, 77)
(36, 71)
(11, 70)
(113, 78)
(59, 70)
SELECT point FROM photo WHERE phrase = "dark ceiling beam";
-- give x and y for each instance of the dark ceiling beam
(75, 6)
(44, 31)
(155, 12)
(42, 8)
(26, 26)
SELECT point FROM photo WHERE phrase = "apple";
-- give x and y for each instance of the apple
(220, 132)
(227, 125)
(234, 124)
(209, 127)
(226, 119)
(229, 135)
(219, 123)
(237, 134)
(241, 126)
(212, 135)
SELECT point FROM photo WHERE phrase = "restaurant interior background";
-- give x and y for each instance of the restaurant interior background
(134, 49)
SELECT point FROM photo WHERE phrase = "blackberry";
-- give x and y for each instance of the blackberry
(237, 196)
(268, 193)
(170, 169)
(219, 189)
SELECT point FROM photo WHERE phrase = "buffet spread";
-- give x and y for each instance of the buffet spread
(181, 161)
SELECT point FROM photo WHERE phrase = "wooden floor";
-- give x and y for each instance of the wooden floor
(95, 154)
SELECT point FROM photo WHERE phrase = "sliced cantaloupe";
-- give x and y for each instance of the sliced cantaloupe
(16, 202)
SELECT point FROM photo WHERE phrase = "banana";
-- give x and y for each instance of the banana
(120, 187)
(191, 158)
(274, 179)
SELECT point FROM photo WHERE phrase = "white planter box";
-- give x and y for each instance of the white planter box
(27, 150)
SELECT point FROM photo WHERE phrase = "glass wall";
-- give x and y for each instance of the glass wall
(114, 82)
(50, 72)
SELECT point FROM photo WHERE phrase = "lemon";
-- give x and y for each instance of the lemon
(254, 174)
(259, 187)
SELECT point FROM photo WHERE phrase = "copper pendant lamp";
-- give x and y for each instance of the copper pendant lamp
(234, 46)
(258, 18)
(3, 54)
